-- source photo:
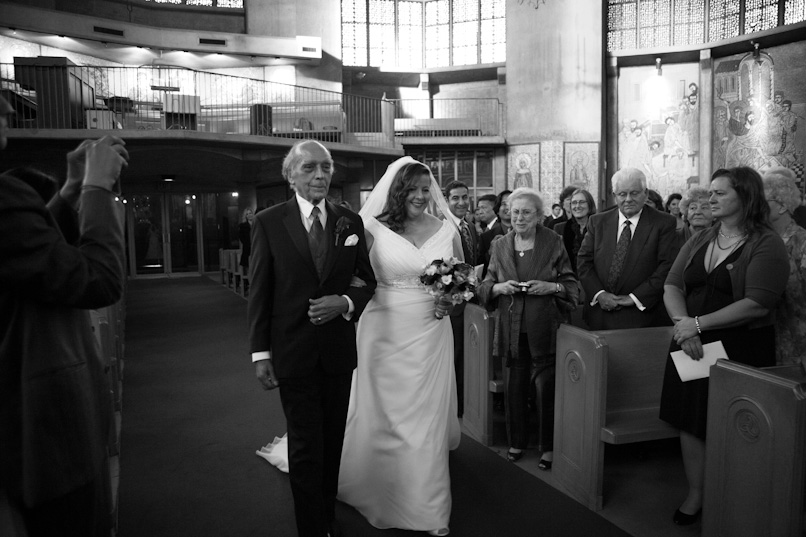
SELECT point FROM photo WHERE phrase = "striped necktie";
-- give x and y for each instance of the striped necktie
(618, 258)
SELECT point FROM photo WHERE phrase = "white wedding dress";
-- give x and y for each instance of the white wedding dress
(402, 418)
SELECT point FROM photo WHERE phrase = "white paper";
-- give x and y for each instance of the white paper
(689, 369)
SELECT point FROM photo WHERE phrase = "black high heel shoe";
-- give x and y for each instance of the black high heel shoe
(514, 456)
(544, 464)
(682, 519)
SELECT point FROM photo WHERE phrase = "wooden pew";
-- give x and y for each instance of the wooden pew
(480, 382)
(755, 463)
(222, 265)
(608, 389)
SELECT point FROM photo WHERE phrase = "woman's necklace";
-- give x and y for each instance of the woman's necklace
(730, 246)
(525, 245)
(730, 236)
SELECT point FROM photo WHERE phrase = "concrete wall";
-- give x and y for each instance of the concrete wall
(554, 83)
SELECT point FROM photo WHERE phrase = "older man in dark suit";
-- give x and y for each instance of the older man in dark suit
(624, 259)
(55, 408)
(302, 309)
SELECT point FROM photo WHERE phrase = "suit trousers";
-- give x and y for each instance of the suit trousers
(316, 413)
(524, 374)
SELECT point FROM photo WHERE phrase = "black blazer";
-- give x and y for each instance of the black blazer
(283, 277)
(649, 258)
(55, 407)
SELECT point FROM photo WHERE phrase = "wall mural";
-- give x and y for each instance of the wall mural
(524, 166)
(582, 165)
(659, 125)
(758, 100)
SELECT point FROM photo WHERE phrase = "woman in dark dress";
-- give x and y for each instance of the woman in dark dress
(245, 236)
(723, 286)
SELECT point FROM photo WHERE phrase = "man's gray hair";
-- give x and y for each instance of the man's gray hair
(295, 153)
(628, 174)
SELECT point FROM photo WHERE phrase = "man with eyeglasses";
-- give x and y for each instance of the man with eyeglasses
(624, 259)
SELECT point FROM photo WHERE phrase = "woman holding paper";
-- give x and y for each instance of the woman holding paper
(722, 287)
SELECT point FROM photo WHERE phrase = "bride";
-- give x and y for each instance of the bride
(402, 418)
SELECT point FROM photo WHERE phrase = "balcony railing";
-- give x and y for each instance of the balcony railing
(53, 93)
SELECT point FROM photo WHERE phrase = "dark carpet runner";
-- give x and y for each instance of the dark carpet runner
(194, 415)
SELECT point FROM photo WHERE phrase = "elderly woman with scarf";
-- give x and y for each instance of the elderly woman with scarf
(531, 283)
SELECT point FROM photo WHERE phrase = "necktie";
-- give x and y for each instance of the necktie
(316, 241)
(467, 238)
(618, 258)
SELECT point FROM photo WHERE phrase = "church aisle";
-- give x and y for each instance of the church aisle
(193, 416)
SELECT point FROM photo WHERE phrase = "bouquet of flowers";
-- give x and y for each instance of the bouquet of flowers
(450, 277)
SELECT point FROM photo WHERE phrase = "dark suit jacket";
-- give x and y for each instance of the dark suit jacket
(651, 254)
(54, 396)
(283, 277)
(486, 239)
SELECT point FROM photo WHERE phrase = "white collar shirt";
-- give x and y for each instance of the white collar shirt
(305, 210)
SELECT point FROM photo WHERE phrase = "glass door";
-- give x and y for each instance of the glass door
(162, 235)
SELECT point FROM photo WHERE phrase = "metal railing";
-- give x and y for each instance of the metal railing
(52, 93)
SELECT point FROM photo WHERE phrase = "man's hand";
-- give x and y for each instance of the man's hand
(264, 370)
(71, 191)
(608, 301)
(327, 308)
(624, 301)
(105, 158)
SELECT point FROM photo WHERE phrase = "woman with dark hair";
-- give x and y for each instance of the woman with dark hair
(673, 208)
(723, 286)
(572, 231)
(530, 283)
(655, 200)
(403, 405)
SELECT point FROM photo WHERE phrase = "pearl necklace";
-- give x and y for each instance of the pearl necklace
(730, 236)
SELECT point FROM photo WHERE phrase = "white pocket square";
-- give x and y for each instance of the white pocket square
(352, 240)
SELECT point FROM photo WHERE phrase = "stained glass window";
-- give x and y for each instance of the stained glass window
(794, 11)
(465, 32)
(724, 17)
(622, 22)
(689, 22)
(760, 15)
(654, 23)
(423, 33)
(437, 33)
(493, 31)
(354, 32)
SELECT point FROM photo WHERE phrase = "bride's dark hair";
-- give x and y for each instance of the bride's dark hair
(394, 212)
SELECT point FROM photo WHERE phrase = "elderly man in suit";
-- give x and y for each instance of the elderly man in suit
(302, 309)
(55, 408)
(624, 259)
(457, 195)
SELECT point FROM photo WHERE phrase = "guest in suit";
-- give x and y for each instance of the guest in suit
(55, 408)
(529, 273)
(501, 226)
(622, 266)
(574, 230)
(696, 211)
(783, 198)
(456, 193)
(723, 286)
(485, 212)
(302, 311)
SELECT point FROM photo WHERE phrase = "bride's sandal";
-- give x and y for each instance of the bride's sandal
(440, 532)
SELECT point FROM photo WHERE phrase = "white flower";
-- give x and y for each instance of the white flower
(431, 270)
(446, 279)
